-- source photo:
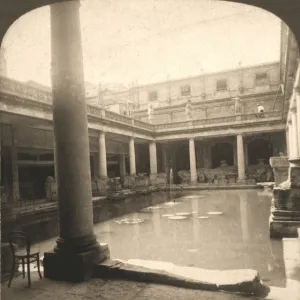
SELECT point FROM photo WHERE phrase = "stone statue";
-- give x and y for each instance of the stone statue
(188, 110)
(237, 105)
(150, 113)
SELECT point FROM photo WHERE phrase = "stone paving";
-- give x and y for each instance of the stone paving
(44, 289)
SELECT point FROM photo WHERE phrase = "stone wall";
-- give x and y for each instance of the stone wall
(33, 138)
(206, 84)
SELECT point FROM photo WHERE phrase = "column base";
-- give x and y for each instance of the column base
(194, 182)
(73, 267)
(284, 223)
(241, 181)
(102, 185)
(153, 179)
(129, 181)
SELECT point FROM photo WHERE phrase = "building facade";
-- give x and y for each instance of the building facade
(223, 140)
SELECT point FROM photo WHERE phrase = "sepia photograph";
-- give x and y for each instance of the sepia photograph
(150, 149)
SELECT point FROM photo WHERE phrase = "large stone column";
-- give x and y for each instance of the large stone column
(77, 249)
(102, 156)
(153, 162)
(193, 169)
(295, 136)
(240, 159)
(164, 158)
(132, 157)
(298, 118)
(122, 165)
(102, 164)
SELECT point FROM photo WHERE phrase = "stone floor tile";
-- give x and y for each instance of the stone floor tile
(87, 288)
(121, 289)
(163, 292)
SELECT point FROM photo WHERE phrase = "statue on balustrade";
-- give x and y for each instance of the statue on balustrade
(188, 109)
(237, 105)
(150, 113)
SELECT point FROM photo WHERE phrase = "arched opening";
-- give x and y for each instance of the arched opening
(259, 151)
(221, 155)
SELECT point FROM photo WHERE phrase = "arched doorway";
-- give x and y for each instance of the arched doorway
(221, 153)
(259, 151)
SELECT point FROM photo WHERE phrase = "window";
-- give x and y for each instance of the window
(185, 90)
(261, 79)
(152, 95)
(221, 85)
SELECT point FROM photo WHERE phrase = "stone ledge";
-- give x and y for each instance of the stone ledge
(238, 281)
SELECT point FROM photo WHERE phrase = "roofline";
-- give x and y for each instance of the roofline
(208, 74)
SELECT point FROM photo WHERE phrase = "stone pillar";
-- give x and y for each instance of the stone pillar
(240, 159)
(164, 158)
(287, 140)
(280, 167)
(193, 168)
(284, 220)
(132, 157)
(122, 165)
(15, 167)
(77, 250)
(295, 137)
(102, 156)
(298, 119)
(153, 162)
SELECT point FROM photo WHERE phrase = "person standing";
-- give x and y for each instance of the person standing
(260, 110)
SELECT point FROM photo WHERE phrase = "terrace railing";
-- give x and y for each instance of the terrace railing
(35, 94)
(220, 121)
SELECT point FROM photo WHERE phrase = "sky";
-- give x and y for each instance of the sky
(145, 41)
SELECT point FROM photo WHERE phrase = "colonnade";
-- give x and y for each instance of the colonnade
(153, 159)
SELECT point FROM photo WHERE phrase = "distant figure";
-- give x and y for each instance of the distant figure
(150, 113)
(260, 110)
(188, 109)
(237, 105)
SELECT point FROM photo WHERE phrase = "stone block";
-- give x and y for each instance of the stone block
(280, 167)
(232, 180)
(294, 177)
(153, 179)
(102, 185)
(250, 181)
(73, 267)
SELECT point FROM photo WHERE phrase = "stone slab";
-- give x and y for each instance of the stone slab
(283, 228)
(242, 281)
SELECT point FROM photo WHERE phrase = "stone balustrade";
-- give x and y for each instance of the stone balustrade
(18, 88)
(31, 95)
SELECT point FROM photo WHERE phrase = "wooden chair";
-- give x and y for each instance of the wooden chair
(23, 254)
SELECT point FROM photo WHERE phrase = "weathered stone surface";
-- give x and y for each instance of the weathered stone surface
(245, 281)
(280, 167)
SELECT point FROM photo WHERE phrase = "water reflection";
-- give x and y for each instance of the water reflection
(239, 238)
(244, 216)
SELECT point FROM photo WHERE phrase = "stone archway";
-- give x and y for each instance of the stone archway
(259, 151)
(221, 152)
